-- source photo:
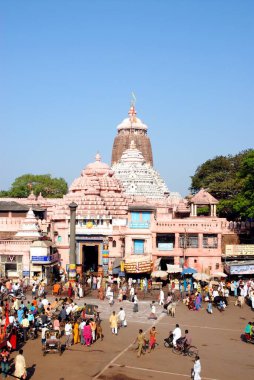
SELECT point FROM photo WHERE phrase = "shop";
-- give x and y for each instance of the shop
(240, 268)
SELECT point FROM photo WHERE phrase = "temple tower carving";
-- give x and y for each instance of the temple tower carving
(132, 129)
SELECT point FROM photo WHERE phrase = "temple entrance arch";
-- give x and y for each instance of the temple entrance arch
(90, 257)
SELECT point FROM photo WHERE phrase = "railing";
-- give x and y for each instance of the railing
(14, 242)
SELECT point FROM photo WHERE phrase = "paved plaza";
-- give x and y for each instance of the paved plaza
(223, 355)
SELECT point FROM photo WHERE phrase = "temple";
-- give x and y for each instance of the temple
(132, 129)
(127, 220)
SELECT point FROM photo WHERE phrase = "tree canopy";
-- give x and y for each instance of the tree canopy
(40, 183)
(230, 179)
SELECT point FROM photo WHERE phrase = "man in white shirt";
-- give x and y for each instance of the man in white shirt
(122, 317)
(162, 297)
(176, 334)
(132, 292)
(45, 302)
(81, 327)
(68, 333)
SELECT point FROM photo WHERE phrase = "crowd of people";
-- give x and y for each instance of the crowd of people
(20, 319)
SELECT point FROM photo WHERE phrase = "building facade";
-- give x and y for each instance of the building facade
(126, 215)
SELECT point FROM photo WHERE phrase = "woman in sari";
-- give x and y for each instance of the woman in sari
(70, 291)
(87, 334)
(198, 302)
(152, 338)
(76, 337)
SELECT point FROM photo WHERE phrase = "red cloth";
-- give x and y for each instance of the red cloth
(13, 340)
(7, 321)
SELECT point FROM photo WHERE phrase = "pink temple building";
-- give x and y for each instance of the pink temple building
(126, 216)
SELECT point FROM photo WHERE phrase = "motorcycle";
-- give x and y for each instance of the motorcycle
(168, 342)
(18, 294)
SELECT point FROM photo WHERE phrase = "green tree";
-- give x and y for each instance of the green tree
(40, 183)
(220, 177)
(244, 201)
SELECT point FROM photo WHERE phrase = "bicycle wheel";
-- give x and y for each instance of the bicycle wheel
(177, 350)
(193, 352)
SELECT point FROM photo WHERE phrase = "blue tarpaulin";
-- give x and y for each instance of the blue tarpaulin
(189, 271)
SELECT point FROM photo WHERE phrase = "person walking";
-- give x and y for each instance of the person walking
(113, 323)
(4, 355)
(76, 337)
(20, 366)
(122, 317)
(161, 298)
(141, 341)
(81, 328)
(152, 338)
(25, 326)
(135, 306)
(196, 370)
(68, 334)
(87, 333)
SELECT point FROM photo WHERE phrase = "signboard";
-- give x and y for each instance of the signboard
(119, 222)
(138, 267)
(240, 269)
(165, 246)
(26, 273)
(41, 258)
(240, 250)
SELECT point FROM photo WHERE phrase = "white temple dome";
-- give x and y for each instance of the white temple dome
(132, 122)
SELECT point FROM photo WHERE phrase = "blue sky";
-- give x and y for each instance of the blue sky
(68, 68)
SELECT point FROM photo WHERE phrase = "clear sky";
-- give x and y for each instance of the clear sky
(67, 70)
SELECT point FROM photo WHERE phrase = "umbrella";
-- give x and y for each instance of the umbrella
(218, 274)
(201, 277)
(189, 271)
(214, 283)
(159, 274)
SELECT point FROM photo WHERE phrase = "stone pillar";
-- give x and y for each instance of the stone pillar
(72, 265)
(200, 241)
(214, 210)
(192, 211)
(176, 240)
(211, 210)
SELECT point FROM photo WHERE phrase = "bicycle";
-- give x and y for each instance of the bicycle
(191, 351)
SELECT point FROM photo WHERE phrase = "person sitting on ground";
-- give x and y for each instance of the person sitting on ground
(248, 331)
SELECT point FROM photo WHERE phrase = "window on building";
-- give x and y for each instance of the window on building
(195, 261)
(210, 241)
(188, 240)
(165, 241)
(114, 244)
(217, 266)
(141, 217)
(138, 246)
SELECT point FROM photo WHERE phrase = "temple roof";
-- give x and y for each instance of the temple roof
(138, 177)
(132, 122)
(15, 206)
(97, 192)
(29, 228)
(203, 198)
